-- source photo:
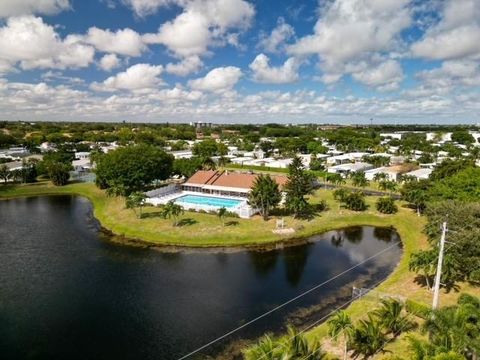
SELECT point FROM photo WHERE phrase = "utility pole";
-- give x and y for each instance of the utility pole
(436, 291)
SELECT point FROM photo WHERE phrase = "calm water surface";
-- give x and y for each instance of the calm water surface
(68, 293)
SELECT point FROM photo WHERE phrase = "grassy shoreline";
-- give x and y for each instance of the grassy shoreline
(205, 230)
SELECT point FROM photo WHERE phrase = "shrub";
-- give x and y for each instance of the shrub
(386, 205)
(321, 206)
(354, 200)
(340, 194)
(418, 309)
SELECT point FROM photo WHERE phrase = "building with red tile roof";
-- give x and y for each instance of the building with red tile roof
(228, 183)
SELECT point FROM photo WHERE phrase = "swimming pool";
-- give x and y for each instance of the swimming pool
(208, 200)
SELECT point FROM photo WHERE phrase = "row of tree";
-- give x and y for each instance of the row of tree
(453, 331)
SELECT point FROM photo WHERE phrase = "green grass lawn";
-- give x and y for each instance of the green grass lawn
(200, 230)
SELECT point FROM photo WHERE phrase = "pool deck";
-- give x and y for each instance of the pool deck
(242, 209)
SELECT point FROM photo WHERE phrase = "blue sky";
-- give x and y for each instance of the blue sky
(327, 61)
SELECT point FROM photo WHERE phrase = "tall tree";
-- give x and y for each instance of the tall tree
(172, 211)
(136, 200)
(424, 262)
(299, 185)
(222, 213)
(359, 179)
(4, 173)
(264, 195)
(456, 328)
(367, 338)
(133, 167)
(58, 172)
(341, 325)
(391, 317)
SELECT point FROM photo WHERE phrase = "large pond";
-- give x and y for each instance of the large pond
(66, 292)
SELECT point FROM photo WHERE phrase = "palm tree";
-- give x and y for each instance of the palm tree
(335, 179)
(341, 324)
(456, 328)
(387, 185)
(172, 210)
(266, 348)
(136, 200)
(4, 173)
(296, 346)
(16, 175)
(222, 213)
(380, 176)
(391, 318)
(359, 179)
(422, 350)
(367, 338)
(265, 195)
(208, 164)
(418, 198)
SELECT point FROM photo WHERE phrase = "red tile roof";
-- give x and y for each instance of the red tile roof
(229, 179)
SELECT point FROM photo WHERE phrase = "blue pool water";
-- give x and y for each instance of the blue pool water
(208, 200)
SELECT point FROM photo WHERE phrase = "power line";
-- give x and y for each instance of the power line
(328, 315)
(389, 340)
(286, 303)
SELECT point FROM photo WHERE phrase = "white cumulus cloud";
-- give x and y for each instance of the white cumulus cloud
(264, 73)
(275, 41)
(109, 62)
(457, 34)
(32, 43)
(135, 78)
(124, 41)
(147, 7)
(184, 67)
(353, 30)
(203, 23)
(28, 7)
(217, 80)
(385, 76)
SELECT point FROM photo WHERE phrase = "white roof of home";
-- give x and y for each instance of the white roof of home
(241, 159)
(14, 165)
(358, 166)
(420, 173)
(82, 162)
(385, 169)
(381, 154)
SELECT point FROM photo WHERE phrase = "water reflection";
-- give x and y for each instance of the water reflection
(384, 234)
(263, 262)
(354, 234)
(65, 293)
(295, 261)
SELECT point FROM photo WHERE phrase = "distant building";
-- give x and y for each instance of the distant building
(201, 125)
(82, 155)
(394, 135)
(182, 154)
(393, 172)
(420, 174)
(346, 169)
(346, 158)
(226, 183)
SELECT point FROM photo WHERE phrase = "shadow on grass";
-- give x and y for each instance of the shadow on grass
(153, 214)
(232, 223)
(187, 222)
(449, 287)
